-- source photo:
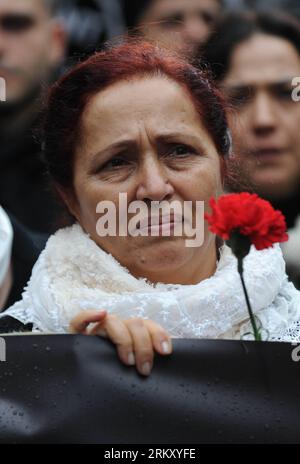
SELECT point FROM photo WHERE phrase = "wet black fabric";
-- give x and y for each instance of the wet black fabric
(73, 389)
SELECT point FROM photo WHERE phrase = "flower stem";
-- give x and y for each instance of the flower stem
(256, 331)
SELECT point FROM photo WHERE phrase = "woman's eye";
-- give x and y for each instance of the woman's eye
(115, 163)
(284, 94)
(181, 151)
(171, 21)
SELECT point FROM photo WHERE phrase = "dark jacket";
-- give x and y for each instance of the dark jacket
(25, 190)
(27, 247)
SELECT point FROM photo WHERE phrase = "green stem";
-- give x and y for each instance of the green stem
(256, 332)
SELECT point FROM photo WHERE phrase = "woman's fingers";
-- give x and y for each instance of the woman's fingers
(80, 323)
(119, 334)
(142, 345)
(135, 339)
(160, 338)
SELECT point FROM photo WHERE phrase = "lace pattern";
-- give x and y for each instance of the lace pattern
(69, 279)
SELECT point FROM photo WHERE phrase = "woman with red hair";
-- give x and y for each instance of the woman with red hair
(137, 120)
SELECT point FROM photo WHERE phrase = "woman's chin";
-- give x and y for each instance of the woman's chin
(162, 257)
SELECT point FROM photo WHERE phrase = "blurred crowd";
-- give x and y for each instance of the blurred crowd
(252, 49)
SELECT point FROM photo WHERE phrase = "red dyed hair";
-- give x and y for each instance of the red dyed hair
(70, 95)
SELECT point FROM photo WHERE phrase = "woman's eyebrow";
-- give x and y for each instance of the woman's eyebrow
(104, 152)
(269, 83)
(176, 135)
(180, 137)
(120, 145)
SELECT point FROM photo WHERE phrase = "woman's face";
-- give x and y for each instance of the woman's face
(182, 25)
(143, 137)
(265, 119)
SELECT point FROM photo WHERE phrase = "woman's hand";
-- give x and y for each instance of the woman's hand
(135, 339)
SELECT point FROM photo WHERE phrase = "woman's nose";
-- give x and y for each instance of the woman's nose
(264, 117)
(153, 182)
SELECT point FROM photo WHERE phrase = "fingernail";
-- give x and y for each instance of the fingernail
(166, 348)
(131, 359)
(146, 368)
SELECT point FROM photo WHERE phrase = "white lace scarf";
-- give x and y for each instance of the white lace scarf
(74, 274)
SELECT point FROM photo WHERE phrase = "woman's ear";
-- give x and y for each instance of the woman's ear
(69, 199)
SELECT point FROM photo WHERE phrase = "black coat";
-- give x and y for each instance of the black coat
(25, 189)
(27, 247)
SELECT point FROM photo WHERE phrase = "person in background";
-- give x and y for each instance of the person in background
(179, 24)
(89, 24)
(32, 48)
(254, 57)
(19, 249)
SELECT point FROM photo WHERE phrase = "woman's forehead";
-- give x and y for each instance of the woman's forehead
(152, 100)
(142, 111)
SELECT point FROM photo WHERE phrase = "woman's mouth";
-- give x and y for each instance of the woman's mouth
(156, 226)
(265, 154)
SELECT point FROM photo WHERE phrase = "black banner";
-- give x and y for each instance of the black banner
(72, 389)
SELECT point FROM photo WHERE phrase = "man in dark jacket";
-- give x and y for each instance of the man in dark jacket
(32, 48)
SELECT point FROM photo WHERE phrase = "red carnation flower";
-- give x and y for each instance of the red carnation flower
(243, 219)
(248, 215)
